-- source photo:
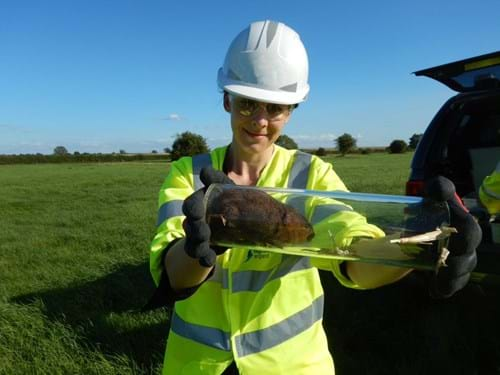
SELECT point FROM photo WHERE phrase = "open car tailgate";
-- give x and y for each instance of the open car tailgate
(476, 73)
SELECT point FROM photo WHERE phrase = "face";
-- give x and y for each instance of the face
(256, 126)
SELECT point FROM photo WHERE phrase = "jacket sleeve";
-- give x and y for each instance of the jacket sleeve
(178, 185)
(333, 221)
(489, 192)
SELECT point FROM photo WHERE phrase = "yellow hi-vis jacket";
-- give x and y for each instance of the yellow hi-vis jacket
(489, 193)
(262, 310)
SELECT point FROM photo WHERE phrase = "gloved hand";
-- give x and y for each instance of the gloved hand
(197, 243)
(462, 245)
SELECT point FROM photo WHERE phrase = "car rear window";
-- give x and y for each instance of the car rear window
(473, 143)
(474, 74)
(473, 78)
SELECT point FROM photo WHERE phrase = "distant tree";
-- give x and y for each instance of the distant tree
(345, 143)
(122, 152)
(414, 139)
(76, 153)
(154, 152)
(286, 142)
(167, 150)
(321, 151)
(398, 146)
(188, 144)
(60, 150)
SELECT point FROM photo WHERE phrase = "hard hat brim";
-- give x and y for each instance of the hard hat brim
(262, 95)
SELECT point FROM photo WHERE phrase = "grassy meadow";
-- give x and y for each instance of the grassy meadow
(74, 274)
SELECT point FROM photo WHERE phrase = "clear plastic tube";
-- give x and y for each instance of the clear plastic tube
(386, 229)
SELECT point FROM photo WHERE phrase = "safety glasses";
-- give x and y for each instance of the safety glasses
(248, 107)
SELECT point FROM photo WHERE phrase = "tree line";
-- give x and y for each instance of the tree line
(346, 143)
(78, 158)
(188, 144)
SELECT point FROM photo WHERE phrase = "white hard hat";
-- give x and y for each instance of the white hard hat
(266, 62)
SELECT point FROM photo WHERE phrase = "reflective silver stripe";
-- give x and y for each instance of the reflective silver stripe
(168, 210)
(199, 161)
(490, 193)
(299, 203)
(217, 275)
(253, 281)
(225, 278)
(323, 211)
(212, 337)
(258, 341)
(300, 171)
(220, 275)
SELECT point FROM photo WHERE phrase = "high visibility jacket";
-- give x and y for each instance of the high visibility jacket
(262, 310)
(489, 193)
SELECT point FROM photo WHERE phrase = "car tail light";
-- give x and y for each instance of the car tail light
(415, 188)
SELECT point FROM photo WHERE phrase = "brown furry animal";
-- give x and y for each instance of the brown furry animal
(253, 217)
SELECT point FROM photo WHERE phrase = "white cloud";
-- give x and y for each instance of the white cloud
(14, 128)
(29, 147)
(90, 144)
(218, 141)
(314, 137)
(173, 117)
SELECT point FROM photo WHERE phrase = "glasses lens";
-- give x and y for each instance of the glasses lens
(275, 110)
(247, 107)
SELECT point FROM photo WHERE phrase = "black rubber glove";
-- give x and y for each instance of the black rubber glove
(462, 245)
(197, 230)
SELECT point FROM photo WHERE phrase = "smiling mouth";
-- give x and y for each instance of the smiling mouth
(255, 134)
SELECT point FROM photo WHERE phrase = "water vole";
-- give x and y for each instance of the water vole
(248, 216)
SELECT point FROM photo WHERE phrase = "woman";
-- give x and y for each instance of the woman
(259, 311)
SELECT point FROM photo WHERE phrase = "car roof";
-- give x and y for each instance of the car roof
(472, 74)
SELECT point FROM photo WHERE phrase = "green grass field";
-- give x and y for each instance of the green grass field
(375, 173)
(74, 274)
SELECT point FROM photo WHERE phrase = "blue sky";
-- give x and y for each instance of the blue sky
(104, 75)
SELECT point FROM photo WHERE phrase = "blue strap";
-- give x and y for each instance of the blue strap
(253, 281)
(199, 161)
(299, 173)
(212, 337)
(169, 209)
(258, 341)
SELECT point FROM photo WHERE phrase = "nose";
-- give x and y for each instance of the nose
(259, 117)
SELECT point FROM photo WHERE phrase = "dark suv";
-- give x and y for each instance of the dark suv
(462, 142)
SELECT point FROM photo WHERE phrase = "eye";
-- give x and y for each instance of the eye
(247, 107)
(275, 109)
